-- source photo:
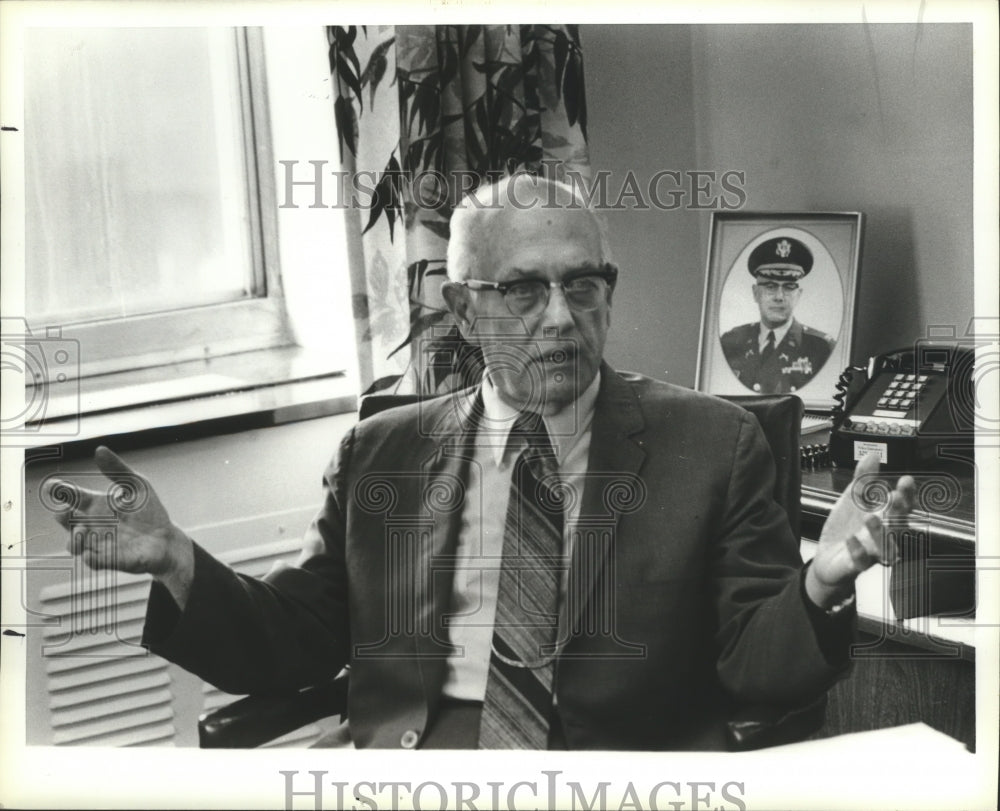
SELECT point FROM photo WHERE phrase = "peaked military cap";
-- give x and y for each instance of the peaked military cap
(783, 259)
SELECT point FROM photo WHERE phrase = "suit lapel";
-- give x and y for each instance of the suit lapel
(443, 477)
(611, 485)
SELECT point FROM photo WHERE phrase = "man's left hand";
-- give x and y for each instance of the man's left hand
(854, 539)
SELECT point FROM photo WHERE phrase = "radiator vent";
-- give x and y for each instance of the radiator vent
(104, 689)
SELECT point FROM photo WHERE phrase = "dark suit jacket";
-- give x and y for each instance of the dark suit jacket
(688, 573)
(803, 351)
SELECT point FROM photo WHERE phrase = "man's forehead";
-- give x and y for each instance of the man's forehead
(532, 237)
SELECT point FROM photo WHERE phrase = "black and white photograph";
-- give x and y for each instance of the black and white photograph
(459, 406)
(779, 304)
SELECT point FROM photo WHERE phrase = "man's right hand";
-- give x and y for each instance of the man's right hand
(145, 539)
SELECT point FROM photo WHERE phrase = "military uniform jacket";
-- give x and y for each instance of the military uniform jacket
(799, 356)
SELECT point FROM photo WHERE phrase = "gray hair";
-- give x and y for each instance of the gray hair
(472, 218)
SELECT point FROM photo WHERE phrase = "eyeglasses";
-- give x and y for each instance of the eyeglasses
(773, 287)
(584, 290)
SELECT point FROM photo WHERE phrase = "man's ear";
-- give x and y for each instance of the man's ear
(456, 297)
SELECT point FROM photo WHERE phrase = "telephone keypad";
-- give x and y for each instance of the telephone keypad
(902, 391)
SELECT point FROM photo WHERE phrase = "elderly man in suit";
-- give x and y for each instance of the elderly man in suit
(560, 556)
(777, 354)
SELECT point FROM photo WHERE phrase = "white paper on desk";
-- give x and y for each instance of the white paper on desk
(909, 766)
(875, 741)
(812, 424)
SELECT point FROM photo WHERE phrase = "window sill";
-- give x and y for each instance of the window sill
(218, 395)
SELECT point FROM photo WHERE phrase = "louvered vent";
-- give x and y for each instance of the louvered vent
(104, 688)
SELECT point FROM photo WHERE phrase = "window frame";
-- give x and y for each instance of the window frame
(212, 330)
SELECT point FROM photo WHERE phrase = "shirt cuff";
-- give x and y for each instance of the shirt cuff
(834, 627)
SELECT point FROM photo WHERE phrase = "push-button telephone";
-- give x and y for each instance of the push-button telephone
(905, 406)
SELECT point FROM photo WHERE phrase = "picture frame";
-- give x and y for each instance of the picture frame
(803, 285)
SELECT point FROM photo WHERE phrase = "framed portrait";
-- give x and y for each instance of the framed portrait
(779, 303)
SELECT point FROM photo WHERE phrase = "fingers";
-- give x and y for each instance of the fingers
(99, 550)
(112, 465)
(903, 498)
(310, 548)
(871, 544)
(867, 465)
(54, 494)
(63, 498)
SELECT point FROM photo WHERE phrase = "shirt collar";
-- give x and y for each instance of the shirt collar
(779, 332)
(564, 427)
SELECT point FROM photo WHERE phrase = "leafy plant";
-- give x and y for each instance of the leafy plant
(502, 134)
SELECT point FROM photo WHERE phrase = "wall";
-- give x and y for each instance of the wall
(241, 494)
(873, 118)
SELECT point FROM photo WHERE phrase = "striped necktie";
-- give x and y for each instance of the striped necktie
(518, 701)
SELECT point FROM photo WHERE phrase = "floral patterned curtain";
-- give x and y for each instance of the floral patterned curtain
(424, 114)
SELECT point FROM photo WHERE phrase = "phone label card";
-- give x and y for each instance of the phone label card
(862, 449)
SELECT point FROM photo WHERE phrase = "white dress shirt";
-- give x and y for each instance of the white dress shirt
(779, 334)
(480, 537)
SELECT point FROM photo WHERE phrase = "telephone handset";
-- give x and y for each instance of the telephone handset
(904, 406)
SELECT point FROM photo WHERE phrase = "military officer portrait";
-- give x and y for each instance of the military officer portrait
(777, 354)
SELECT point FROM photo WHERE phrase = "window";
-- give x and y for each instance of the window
(149, 199)
(154, 242)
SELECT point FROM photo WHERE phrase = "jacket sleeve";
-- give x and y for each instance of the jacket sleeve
(773, 645)
(250, 635)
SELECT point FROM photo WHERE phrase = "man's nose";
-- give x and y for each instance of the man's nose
(557, 312)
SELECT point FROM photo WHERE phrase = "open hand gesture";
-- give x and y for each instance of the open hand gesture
(142, 538)
(853, 538)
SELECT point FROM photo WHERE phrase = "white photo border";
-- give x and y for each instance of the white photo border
(729, 241)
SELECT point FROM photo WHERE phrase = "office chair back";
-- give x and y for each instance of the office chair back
(779, 415)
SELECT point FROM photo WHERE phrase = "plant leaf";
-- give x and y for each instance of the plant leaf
(347, 124)
(440, 228)
(570, 98)
(348, 75)
(394, 182)
(472, 33)
(552, 141)
(419, 326)
(560, 49)
(414, 275)
(377, 63)
(372, 76)
(382, 384)
(331, 38)
(378, 205)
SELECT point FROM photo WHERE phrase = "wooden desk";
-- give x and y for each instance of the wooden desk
(905, 670)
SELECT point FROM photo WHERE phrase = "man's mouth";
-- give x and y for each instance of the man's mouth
(558, 357)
